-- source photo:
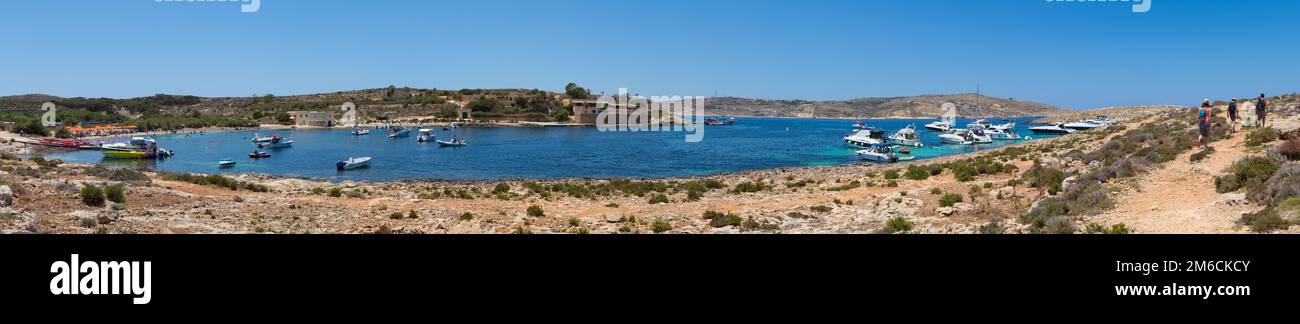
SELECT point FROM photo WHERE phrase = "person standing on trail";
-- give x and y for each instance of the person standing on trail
(1261, 110)
(1232, 116)
(1204, 120)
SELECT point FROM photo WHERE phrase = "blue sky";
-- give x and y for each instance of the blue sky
(1077, 55)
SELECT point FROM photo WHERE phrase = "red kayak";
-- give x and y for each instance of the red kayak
(64, 143)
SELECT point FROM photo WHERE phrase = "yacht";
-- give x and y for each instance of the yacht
(1053, 129)
(940, 126)
(878, 153)
(906, 137)
(1001, 134)
(965, 137)
(865, 138)
(276, 142)
(353, 163)
(1081, 125)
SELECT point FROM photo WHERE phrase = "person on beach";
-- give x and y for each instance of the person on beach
(1261, 110)
(1232, 116)
(1204, 117)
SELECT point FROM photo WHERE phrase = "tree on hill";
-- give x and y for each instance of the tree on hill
(576, 92)
(34, 127)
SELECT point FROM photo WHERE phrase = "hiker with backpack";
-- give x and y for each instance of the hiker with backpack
(1205, 121)
(1232, 116)
(1261, 110)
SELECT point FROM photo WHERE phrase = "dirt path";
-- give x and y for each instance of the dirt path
(1180, 197)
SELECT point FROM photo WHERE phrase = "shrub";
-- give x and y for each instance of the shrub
(396, 215)
(1086, 199)
(575, 222)
(848, 186)
(336, 192)
(467, 216)
(897, 225)
(536, 211)
(1059, 225)
(1261, 136)
(1094, 228)
(994, 227)
(88, 222)
(936, 191)
(891, 174)
(949, 200)
(659, 199)
(412, 214)
(1290, 149)
(501, 188)
(659, 226)
(1281, 186)
(612, 205)
(821, 209)
(717, 219)
(746, 187)
(1248, 172)
(91, 195)
(1264, 221)
(128, 175)
(1044, 178)
(115, 193)
(918, 173)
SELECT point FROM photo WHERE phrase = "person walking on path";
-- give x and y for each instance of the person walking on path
(1204, 120)
(1261, 110)
(1232, 116)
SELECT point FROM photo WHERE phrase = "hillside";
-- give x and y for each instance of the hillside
(924, 106)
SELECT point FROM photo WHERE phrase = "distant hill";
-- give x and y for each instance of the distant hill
(924, 106)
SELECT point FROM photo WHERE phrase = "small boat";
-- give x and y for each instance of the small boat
(65, 143)
(113, 154)
(859, 125)
(979, 136)
(1081, 125)
(965, 137)
(1053, 128)
(259, 155)
(906, 137)
(257, 139)
(720, 121)
(998, 133)
(1103, 120)
(276, 143)
(865, 138)
(226, 163)
(979, 123)
(882, 153)
(359, 132)
(398, 131)
(426, 135)
(940, 126)
(453, 143)
(353, 163)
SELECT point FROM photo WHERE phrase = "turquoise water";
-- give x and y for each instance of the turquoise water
(535, 153)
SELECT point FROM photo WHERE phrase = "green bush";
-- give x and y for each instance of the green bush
(897, 225)
(1265, 221)
(115, 193)
(92, 195)
(1250, 172)
(501, 188)
(994, 227)
(659, 226)
(918, 173)
(659, 199)
(536, 211)
(747, 187)
(1282, 186)
(1046, 178)
(1094, 228)
(1060, 225)
(821, 209)
(891, 174)
(936, 191)
(949, 200)
(467, 216)
(717, 219)
(1261, 136)
(849, 186)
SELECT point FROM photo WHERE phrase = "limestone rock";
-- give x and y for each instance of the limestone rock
(6, 196)
(614, 218)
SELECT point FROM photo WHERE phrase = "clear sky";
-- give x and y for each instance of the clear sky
(1077, 55)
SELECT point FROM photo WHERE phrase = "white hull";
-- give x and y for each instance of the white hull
(954, 139)
(353, 163)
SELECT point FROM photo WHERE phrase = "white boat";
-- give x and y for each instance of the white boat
(1008, 127)
(998, 133)
(1081, 125)
(979, 123)
(261, 139)
(865, 138)
(940, 126)
(276, 142)
(398, 131)
(359, 131)
(965, 137)
(353, 163)
(453, 143)
(226, 163)
(907, 137)
(426, 135)
(878, 153)
(1103, 120)
(1053, 128)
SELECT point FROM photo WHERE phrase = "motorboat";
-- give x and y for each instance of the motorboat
(979, 123)
(864, 138)
(65, 143)
(860, 125)
(426, 135)
(1103, 120)
(979, 136)
(398, 131)
(276, 142)
(128, 155)
(136, 148)
(997, 133)
(360, 131)
(226, 163)
(353, 163)
(259, 155)
(965, 137)
(257, 139)
(906, 137)
(940, 126)
(456, 142)
(878, 153)
(720, 121)
(1081, 125)
(1052, 129)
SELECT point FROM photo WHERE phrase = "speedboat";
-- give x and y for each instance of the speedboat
(257, 139)
(426, 135)
(136, 148)
(353, 163)
(965, 137)
(276, 143)
(940, 126)
(226, 163)
(128, 155)
(859, 125)
(720, 121)
(998, 133)
(878, 153)
(1081, 125)
(1053, 128)
(453, 143)
(259, 155)
(865, 138)
(906, 137)
(398, 131)
(360, 131)
(979, 123)
(1103, 120)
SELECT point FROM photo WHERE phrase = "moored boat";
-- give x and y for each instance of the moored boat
(878, 153)
(426, 135)
(398, 131)
(226, 163)
(1052, 129)
(259, 155)
(261, 139)
(940, 126)
(1081, 125)
(353, 163)
(865, 138)
(276, 142)
(906, 137)
(453, 143)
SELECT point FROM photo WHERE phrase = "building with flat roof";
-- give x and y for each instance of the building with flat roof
(312, 118)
